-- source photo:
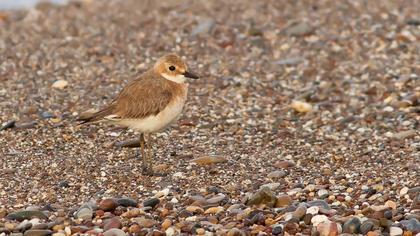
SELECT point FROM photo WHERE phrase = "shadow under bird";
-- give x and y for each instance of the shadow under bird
(149, 103)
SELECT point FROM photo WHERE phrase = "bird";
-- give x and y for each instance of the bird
(148, 104)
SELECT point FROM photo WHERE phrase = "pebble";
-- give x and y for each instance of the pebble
(114, 232)
(277, 174)
(300, 212)
(216, 199)
(209, 160)
(319, 203)
(37, 232)
(412, 225)
(263, 196)
(404, 191)
(352, 226)
(60, 84)
(166, 224)
(145, 223)
(395, 231)
(366, 226)
(328, 228)
(84, 213)
(151, 202)
(214, 210)
(315, 220)
(271, 186)
(114, 222)
(108, 204)
(126, 202)
(299, 29)
(277, 229)
(283, 201)
(26, 214)
(301, 107)
(322, 193)
(313, 210)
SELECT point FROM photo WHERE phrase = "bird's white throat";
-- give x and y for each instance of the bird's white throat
(177, 79)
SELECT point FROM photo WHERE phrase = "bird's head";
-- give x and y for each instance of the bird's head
(172, 67)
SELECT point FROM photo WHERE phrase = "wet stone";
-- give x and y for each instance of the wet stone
(26, 214)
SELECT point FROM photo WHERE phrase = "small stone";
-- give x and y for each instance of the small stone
(412, 225)
(327, 228)
(366, 227)
(23, 226)
(263, 196)
(277, 174)
(283, 201)
(299, 29)
(404, 191)
(352, 226)
(318, 219)
(300, 212)
(203, 27)
(3, 213)
(271, 186)
(235, 232)
(108, 204)
(284, 164)
(313, 210)
(8, 125)
(307, 218)
(26, 214)
(200, 231)
(301, 107)
(214, 210)
(195, 209)
(152, 202)
(319, 203)
(391, 204)
(395, 231)
(37, 232)
(388, 214)
(216, 199)
(134, 229)
(404, 134)
(277, 229)
(60, 84)
(166, 224)
(126, 202)
(322, 193)
(114, 232)
(145, 223)
(208, 160)
(84, 214)
(112, 223)
(170, 231)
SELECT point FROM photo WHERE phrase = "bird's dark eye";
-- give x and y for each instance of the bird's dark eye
(172, 68)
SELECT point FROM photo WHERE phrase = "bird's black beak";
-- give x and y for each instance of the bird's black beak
(190, 75)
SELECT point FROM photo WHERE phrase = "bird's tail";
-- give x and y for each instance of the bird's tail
(92, 116)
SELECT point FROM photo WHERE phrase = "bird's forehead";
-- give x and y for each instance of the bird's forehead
(173, 60)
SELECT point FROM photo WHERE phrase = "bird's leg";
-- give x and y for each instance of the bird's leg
(143, 152)
(150, 150)
(146, 166)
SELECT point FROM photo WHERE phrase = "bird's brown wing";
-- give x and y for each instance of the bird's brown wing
(141, 98)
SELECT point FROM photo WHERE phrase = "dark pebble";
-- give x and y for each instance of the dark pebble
(151, 202)
(388, 214)
(277, 229)
(47, 115)
(8, 125)
(63, 184)
(37, 232)
(320, 203)
(22, 215)
(412, 225)
(366, 227)
(127, 202)
(352, 226)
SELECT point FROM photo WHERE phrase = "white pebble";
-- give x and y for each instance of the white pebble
(60, 84)
(316, 220)
(313, 210)
(395, 231)
(403, 191)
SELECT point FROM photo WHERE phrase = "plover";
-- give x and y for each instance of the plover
(149, 103)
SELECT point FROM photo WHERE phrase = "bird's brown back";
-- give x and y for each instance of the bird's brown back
(145, 96)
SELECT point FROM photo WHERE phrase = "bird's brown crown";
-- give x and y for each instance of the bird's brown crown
(171, 65)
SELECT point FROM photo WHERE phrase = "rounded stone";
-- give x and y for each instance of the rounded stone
(352, 226)
(151, 202)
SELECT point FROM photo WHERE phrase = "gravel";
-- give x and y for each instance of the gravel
(306, 119)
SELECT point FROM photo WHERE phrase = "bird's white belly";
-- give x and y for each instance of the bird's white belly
(158, 122)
